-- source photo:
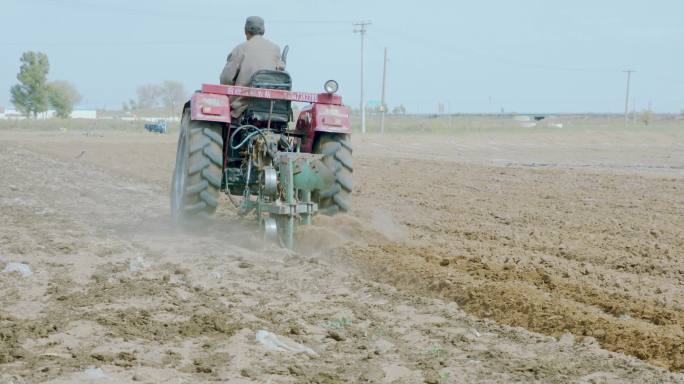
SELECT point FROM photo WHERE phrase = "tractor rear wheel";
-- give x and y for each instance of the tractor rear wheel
(337, 156)
(199, 167)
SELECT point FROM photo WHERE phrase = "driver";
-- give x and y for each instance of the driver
(253, 55)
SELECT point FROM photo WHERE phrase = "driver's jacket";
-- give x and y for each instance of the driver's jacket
(247, 58)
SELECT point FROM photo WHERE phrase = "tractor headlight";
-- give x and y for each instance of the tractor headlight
(331, 86)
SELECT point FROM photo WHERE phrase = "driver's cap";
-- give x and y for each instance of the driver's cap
(255, 25)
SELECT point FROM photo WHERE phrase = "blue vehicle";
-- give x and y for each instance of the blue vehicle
(158, 127)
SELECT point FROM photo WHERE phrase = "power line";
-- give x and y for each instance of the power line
(124, 43)
(439, 46)
(88, 6)
(104, 43)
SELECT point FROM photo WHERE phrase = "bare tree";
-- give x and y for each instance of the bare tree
(173, 94)
(148, 96)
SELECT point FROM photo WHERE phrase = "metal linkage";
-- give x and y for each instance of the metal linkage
(286, 180)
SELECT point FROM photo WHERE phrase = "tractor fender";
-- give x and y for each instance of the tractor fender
(209, 107)
(315, 119)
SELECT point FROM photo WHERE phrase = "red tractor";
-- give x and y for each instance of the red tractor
(284, 172)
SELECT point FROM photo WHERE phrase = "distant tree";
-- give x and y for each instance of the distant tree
(400, 110)
(30, 96)
(646, 117)
(373, 109)
(62, 96)
(173, 94)
(132, 105)
(148, 96)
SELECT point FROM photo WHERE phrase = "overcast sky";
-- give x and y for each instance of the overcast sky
(474, 56)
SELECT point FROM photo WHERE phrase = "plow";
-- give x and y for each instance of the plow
(279, 170)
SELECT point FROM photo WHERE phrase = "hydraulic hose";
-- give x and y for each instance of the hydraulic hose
(249, 137)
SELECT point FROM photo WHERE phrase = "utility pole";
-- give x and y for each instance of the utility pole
(382, 102)
(629, 76)
(360, 28)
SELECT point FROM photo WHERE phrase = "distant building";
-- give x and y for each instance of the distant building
(75, 114)
(11, 114)
(84, 114)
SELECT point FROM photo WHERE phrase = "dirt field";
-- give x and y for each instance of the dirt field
(488, 256)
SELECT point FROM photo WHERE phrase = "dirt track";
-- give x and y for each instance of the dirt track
(577, 236)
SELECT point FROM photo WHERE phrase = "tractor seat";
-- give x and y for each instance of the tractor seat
(258, 110)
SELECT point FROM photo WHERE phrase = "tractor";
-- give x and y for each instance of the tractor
(282, 171)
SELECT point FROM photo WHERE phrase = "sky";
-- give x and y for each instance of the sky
(524, 56)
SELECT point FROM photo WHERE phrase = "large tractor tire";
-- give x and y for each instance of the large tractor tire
(199, 167)
(337, 156)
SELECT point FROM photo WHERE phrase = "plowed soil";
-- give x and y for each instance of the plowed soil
(481, 257)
